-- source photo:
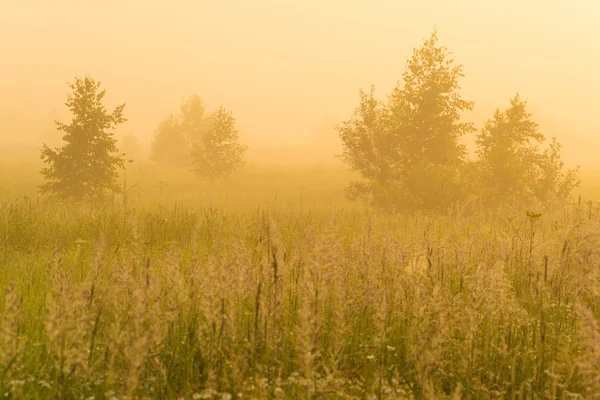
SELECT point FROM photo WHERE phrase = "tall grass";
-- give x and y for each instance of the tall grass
(273, 286)
(281, 302)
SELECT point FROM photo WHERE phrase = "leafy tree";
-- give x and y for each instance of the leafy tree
(192, 115)
(216, 151)
(174, 136)
(407, 150)
(553, 183)
(369, 149)
(425, 120)
(508, 149)
(86, 166)
(170, 145)
(513, 167)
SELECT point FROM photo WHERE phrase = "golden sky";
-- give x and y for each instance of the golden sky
(287, 68)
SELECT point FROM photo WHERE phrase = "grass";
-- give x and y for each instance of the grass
(273, 286)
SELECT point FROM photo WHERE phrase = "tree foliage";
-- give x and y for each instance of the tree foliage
(193, 119)
(174, 135)
(513, 166)
(407, 150)
(216, 151)
(170, 145)
(206, 142)
(86, 166)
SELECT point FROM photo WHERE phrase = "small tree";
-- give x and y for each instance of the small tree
(174, 136)
(408, 150)
(170, 145)
(193, 118)
(216, 152)
(553, 183)
(86, 166)
(513, 167)
(370, 149)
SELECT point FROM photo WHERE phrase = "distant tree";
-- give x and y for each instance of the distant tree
(216, 152)
(172, 142)
(370, 149)
(170, 145)
(554, 184)
(193, 117)
(130, 147)
(86, 166)
(513, 167)
(407, 151)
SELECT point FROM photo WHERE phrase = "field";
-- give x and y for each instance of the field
(274, 286)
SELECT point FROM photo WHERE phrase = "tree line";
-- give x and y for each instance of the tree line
(406, 149)
(86, 166)
(408, 154)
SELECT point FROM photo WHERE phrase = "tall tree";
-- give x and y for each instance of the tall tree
(408, 150)
(86, 166)
(216, 152)
(513, 167)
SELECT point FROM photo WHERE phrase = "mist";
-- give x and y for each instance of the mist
(299, 200)
(291, 71)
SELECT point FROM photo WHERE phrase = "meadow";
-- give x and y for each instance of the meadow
(274, 286)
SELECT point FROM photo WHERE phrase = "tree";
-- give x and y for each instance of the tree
(554, 184)
(407, 150)
(170, 145)
(86, 166)
(192, 115)
(369, 149)
(174, 136)
(513, 168)
(216, 151)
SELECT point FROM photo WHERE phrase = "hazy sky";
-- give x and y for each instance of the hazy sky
(286, 68)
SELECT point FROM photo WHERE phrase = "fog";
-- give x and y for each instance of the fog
(290, 71)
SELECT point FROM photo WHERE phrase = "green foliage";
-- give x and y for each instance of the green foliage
(369, 149)
(209, 143)
(174, 135)
(513, 167)
(425, 110)
(86, 166)
(408, 153)
(554, 183)
(216, 152)
(408, 150)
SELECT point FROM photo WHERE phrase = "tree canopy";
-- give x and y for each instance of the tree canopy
(216, 152)
(513, 166)
(85, 167)
(208, 143)
(407, 149)
(170, 145)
